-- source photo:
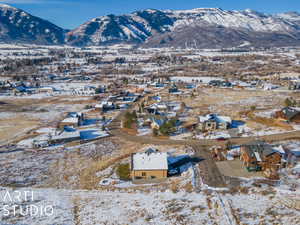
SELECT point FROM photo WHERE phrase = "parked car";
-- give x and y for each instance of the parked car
(221, 139)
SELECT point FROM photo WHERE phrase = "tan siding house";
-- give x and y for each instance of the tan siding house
(149, 166)
(149, 174)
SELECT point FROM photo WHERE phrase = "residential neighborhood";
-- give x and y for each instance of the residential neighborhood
(118, 133)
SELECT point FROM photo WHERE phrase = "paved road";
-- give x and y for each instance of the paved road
(269, 138)
(209, 171)
(116, 124)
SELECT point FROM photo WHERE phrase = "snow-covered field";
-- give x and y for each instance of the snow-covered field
(266, 114)
(221, 207)
(254, 202)
(28, 168)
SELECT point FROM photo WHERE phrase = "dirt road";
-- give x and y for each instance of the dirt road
(209, 171)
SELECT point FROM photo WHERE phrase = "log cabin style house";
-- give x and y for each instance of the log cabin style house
(258, 156)
(289, 114)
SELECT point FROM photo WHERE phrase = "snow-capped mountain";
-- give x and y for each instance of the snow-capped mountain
(134, 28)
(217, 28)
(196, 27)
(290, 16)
(17, 26)
(201, 28)
(248, 19)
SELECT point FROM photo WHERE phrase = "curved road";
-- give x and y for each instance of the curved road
(209, 172)
(115, 126)
(115, 130)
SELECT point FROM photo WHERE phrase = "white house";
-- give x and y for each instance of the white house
(213, 122)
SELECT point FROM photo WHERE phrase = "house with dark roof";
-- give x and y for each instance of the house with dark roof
(258, 156)
(294, 84)
(290, 114)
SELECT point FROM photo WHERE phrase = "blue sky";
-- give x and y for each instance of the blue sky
(71, 13)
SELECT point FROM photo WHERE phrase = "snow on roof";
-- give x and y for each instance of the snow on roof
(226, 119)
(217, 118)
(257, 156)
(74, 114)
(203, 118)
(290, 112)
(70, 120)
(279, 149)
(106, 103)
(66, 135)
(46, 88)
(244, 84)
(161, 105)
(269, 86)
(150, 161)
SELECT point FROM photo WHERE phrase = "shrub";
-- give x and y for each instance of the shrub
(155, 132)
(253, 108)
(168, 127)
(88, 107)
(129, 119)
(290, 102)
(123, 171)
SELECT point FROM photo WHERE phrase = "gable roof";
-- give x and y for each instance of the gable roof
(70, 120)
(216, 118)
(258, 149)
(290, 112)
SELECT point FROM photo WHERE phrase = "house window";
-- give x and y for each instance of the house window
(143, 174)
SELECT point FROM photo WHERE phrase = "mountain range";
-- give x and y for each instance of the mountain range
(17, 26)
(198, 28)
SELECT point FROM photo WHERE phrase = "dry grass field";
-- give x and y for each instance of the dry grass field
(19, 116)
(14, 128)
(234, 103)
